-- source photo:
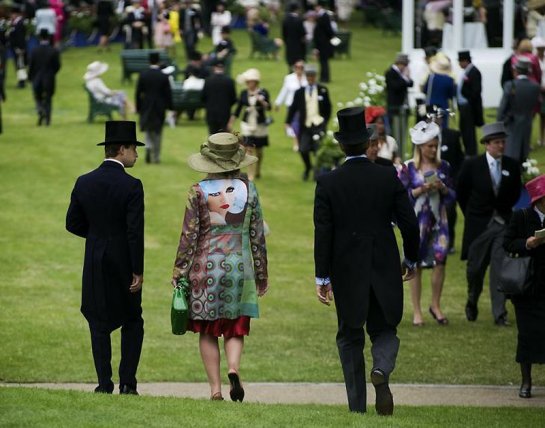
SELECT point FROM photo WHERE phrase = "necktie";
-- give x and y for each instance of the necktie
(496, 173)
(310, 88)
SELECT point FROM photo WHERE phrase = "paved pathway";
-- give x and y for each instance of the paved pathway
(335, 393)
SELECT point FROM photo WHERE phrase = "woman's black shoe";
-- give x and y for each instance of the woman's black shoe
(525, 392)
(440, 321)
(237, 392)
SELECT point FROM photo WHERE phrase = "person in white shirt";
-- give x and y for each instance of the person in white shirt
(101, 92)
(219, 19)
(292, 82)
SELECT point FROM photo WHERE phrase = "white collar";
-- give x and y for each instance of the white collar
(539, 213)
(355, 157)
(114, 160)
(522, 76)
(490, 160)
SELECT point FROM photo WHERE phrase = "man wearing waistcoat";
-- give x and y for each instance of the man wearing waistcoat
(314, 107)
(488, 187)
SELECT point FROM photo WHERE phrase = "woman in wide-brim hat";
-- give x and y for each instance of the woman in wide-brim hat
(253, 103)
(440, 87)
(430, 187)
(388, 148)
(520, 238)
(98, 89)
(222, 254)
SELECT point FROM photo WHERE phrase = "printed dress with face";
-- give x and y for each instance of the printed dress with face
(222, 249)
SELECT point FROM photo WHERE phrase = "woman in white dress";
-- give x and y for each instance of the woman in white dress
(220, 18)
(292, 82)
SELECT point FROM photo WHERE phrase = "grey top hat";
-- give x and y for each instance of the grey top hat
(493, 130)
(311, 69)
(221, 153)
(523, 64)
(402, 58)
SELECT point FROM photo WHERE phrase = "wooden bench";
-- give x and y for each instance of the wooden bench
(344, 47)
(262, 46)
(185, 99)
(137, 60)
(97, 107)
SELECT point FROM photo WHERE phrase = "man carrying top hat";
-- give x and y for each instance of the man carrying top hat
(470, 103)
(357, 259)
(107, 209)
(518, 105)
(488, 187)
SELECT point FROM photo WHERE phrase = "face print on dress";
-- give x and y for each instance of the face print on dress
(225, 198)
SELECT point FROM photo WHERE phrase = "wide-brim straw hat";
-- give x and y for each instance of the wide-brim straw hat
(424, 132)
(221, 153)
(440, 64)
(95, 69)
(250, 74)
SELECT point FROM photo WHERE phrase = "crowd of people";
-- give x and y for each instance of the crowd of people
(223, 229)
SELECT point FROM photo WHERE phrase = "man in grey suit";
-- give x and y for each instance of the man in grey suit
(518, 105)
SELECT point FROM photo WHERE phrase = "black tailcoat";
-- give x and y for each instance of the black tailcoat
(44, 64)
(219, 95)
(475, 194)
(107, 209)
(299, 104)
(153, 98)
(396, 90)
(354, 241)
(293, 33)
(451, 150)
(471, 90)
(323, 33)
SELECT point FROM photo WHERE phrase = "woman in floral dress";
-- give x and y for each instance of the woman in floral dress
(428, 181)
(222, 253)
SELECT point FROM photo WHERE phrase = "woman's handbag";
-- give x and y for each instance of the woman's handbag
(179, 313)
(516, 272)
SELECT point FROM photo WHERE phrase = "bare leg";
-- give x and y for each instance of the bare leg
(210, 355)
(437, 280)
(416, 293)
(233, 352)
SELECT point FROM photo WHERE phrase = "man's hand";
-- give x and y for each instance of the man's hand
(324, 293)
(533, 242)
(407, 273)
(137, 281)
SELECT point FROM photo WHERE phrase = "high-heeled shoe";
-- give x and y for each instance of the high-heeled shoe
(440, 321)
(237, 392)
(525, 392)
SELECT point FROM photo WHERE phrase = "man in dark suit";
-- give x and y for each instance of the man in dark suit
(517, 107)
(293, 33)
(397, 83)
(153, 99)
(323, 33)
(44, 64)
(488, 187)
(190, 26)
(357, 259)
(17, 41)
(219, 95)
(313, 104)
(470, 103)
(107, 209)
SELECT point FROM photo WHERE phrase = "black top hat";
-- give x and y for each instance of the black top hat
(352, 129)
(430, 51)
(464, 56)
(44, 34)
(120, 132)
(154, 58)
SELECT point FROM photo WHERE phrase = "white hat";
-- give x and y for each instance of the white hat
(250, 74)
(538, 42)
(424, 132)
(95, 69)
(440, 64)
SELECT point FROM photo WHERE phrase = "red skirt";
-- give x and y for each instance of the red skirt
(221, 327)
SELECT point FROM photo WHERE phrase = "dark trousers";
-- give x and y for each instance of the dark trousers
(43, 100)
(467, 129)
(486, 251)
(308, 144)
(324, 69)
(351, 341)
(132, 335)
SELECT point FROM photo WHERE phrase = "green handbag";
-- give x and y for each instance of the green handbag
(179, 313)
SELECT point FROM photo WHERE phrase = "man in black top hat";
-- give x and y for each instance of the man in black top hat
(219, 95)
(107, 209)
(44, 64)
(153, 99)
(293, 34)
(323, 33)
(357, 259)
(470, 103)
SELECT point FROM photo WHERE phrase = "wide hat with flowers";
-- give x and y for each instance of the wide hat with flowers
(221, 153)
(424, 132)
(536, 188)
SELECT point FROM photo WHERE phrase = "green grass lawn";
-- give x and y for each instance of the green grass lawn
(34, 407)
(45, 338)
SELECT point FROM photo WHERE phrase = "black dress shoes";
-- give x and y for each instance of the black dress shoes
(525, 392)
(127, 390)
(237, 392)
(384, 403)
(471, 312)
(502, 322)
(101, 389)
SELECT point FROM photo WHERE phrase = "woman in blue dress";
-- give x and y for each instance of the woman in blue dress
(428, 181)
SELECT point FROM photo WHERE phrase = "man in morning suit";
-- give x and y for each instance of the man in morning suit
(107, 209)
(470, 103)
(397, 83)
(488, 187)
(44, 64)
(357, 259)
(218, 95)
(314, 107)
(323, 33)
(293, 34)
(153, 99)
(18, 43)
